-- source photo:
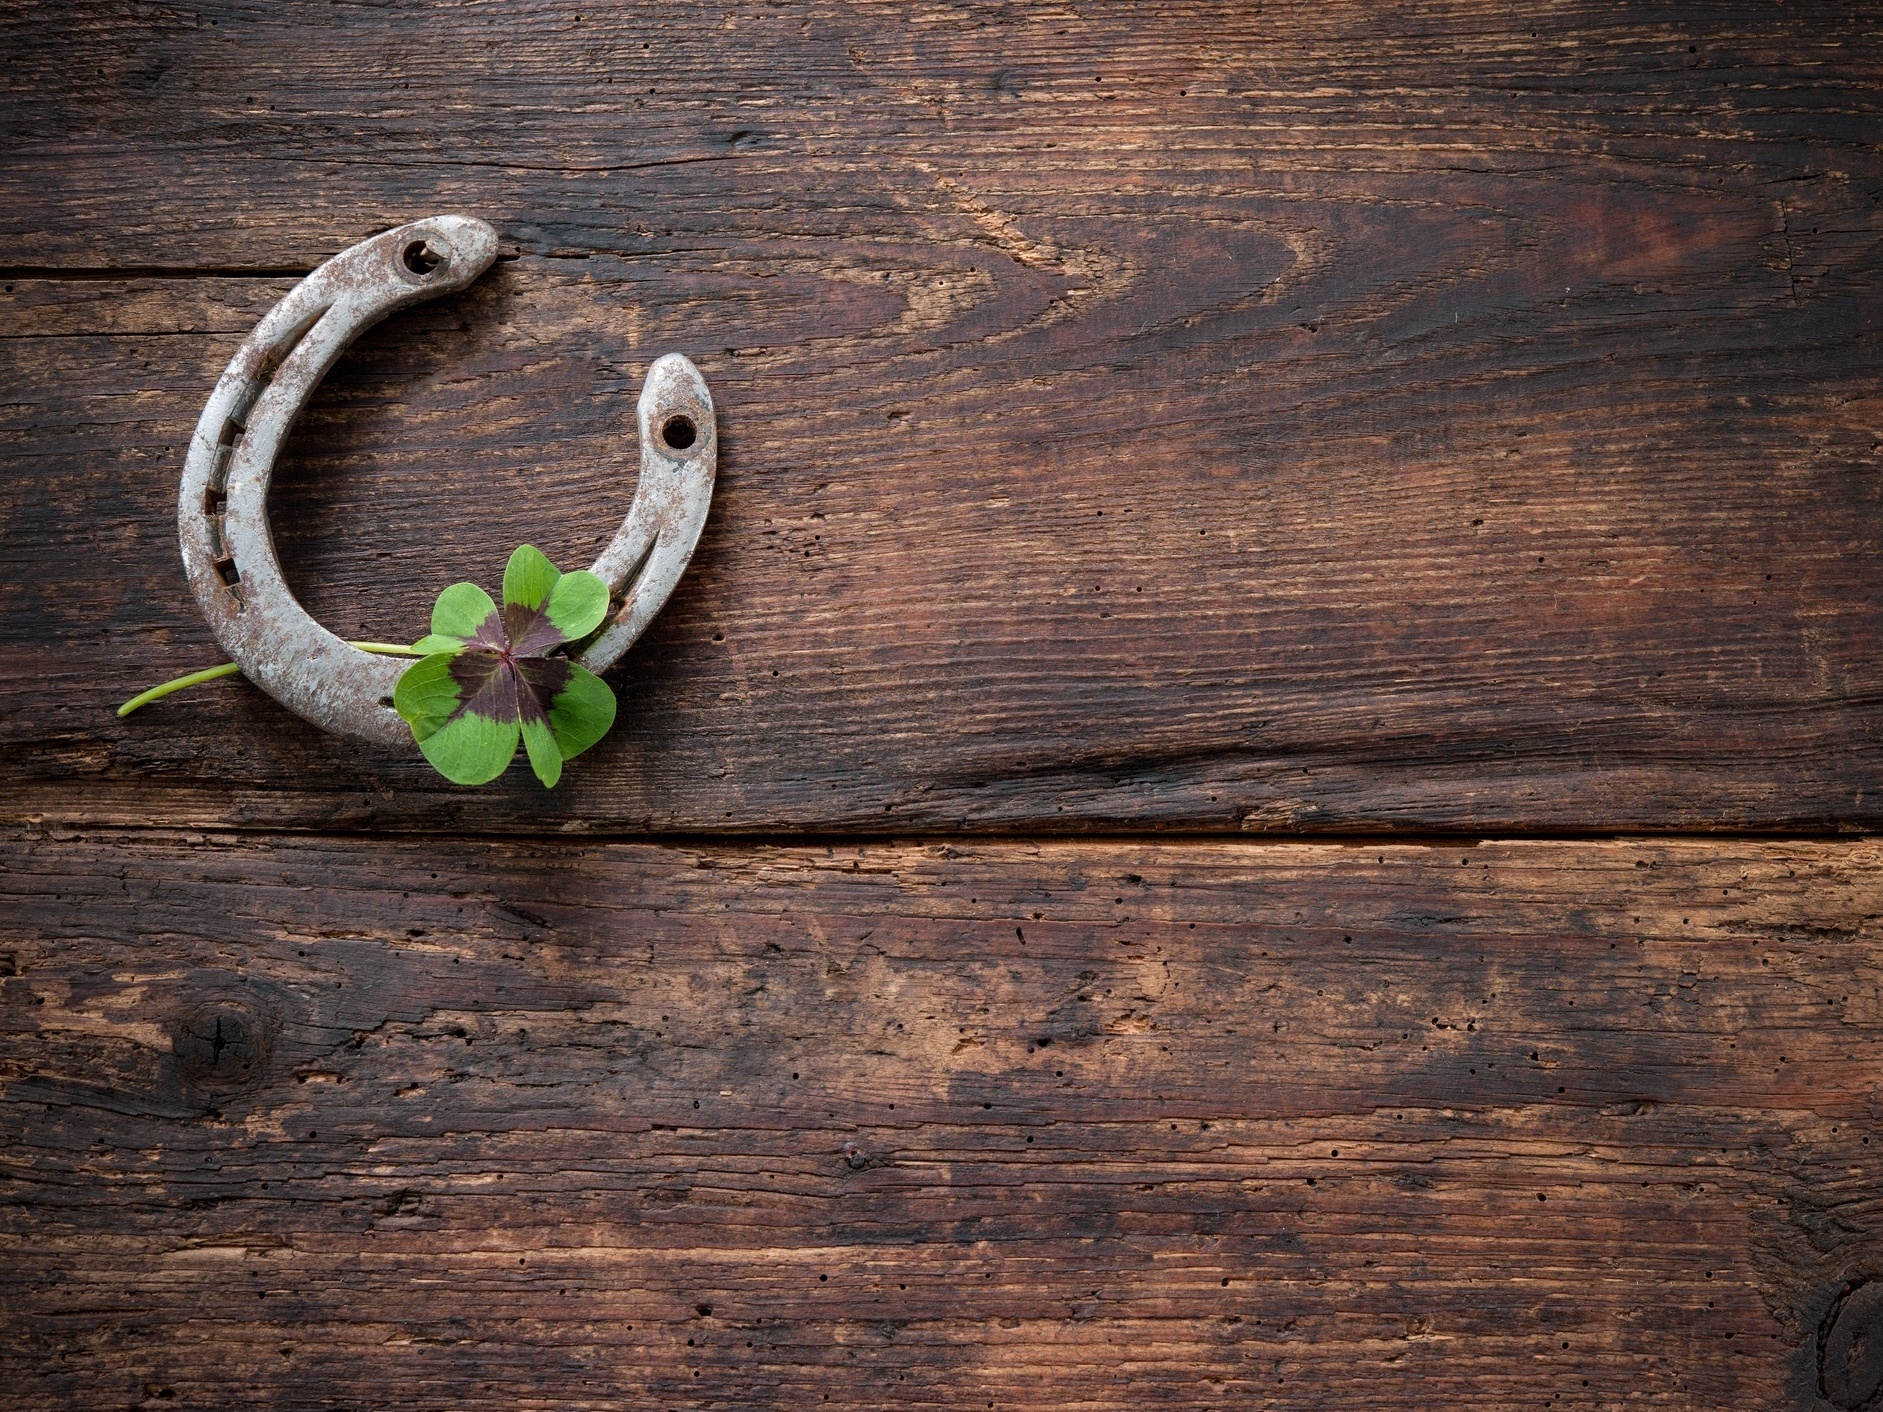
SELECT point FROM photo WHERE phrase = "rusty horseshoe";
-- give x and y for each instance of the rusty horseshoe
(222, 506)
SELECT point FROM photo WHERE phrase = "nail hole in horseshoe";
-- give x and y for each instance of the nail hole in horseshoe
(679, 432)
(234, 425)
(216, 493)
(420, 258)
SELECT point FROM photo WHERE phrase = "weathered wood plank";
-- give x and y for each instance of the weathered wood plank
(1083, 1124)
(234, 135)
(1436, 418)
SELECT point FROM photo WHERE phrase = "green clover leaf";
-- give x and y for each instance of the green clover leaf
(493, 675)
(489, 676)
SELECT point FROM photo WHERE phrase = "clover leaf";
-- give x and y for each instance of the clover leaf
(493, 674)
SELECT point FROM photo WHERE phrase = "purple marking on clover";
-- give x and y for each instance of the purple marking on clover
(497, 679)
(495, 675)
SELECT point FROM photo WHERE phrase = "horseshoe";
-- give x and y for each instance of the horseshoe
(222, 504)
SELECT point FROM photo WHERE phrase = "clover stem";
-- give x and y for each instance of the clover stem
(144, 698)
(229, 669)
(386, 649)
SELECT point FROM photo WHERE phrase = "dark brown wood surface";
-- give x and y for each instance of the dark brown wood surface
(1294, 418)
(1332, 435)
(1084, 1124)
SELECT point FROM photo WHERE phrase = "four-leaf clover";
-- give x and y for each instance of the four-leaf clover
(493, 674)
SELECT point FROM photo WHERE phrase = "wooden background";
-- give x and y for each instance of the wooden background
(1257, 796)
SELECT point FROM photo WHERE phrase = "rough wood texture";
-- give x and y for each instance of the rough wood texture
(1094, 1125)
(1197, 417)
(1301, 419)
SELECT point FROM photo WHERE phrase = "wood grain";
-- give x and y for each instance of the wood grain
(1428, 417)
(1295, 419)
(1097, 1125)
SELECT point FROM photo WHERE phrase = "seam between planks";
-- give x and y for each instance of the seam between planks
(967, 838)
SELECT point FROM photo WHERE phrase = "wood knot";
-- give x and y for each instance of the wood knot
(1850, 1349)
(220, 1046)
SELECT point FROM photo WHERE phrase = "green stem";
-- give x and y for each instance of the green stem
(229, 669)
(386, 649)
(144, 698)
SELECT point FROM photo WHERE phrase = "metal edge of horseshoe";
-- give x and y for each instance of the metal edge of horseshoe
(222, 503)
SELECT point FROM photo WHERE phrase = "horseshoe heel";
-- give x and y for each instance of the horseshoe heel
(222, 504)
